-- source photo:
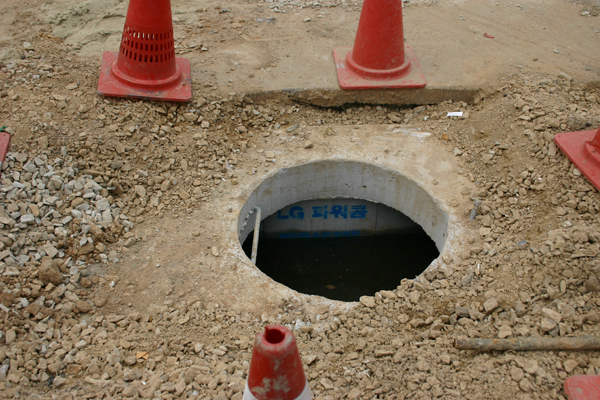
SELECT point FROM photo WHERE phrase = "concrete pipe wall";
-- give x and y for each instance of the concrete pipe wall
(342, 179)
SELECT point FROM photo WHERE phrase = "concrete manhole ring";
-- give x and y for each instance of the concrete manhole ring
(328, 182)
(422, 193)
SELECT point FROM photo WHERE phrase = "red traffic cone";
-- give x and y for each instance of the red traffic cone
(276, 369)
(145, 65)
(583, 387)
(4, 144)
(582, 148)
(379, 58)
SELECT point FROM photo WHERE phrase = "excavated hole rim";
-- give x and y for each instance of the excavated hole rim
(346, 179)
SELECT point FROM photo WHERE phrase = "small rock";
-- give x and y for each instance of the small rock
(59, 381)
(308, 144)
(7, 298)
(564, 75)
(592, 284)
(190, 375)
(547, 324)
(214, 251)
(530, 366)
(102, 205)
(130, 375)
(561, 211)
(394, 117)
(83, 306)
(11, 271)
(461, 312)
(355, 394)
(414, 297)
(27, 219)
(40, 327)
(49, 273)
(99, 301)
(570, 365)
(140, 191)
(516, 374)
(504, 332)
(10, 336)
(368, 301)
(50, 250)
(553, 315)
(129, 391)
(490, 305)
(525, 385)
(467, 279)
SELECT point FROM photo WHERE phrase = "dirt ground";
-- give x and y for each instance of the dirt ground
(117, 273)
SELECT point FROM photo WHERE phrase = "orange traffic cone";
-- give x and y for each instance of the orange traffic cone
(4, 144)
(583, 149)
(276, 371)
(145, 65)
(379, 58)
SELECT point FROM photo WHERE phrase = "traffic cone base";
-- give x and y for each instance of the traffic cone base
(353, 76)
(115, 83)
(306, 394)
(581, 148)
(582, 387)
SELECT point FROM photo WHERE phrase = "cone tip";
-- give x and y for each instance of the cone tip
(275, 334)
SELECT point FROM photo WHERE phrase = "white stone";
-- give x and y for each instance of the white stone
(11, 271)
(27, 219)
(102, 205)
(50, 250)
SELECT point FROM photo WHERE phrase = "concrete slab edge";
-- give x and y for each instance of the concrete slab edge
(401, 97)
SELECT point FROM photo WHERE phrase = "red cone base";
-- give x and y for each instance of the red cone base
(583, 387)
(145, 65)
(583, 149)
(115, 84)
(379, 59)
(409, 75)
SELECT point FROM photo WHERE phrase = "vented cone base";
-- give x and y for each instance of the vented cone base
(582, 152)
(411, 77)
(110, 84)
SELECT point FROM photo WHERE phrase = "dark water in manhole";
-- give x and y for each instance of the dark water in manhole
(345, 268)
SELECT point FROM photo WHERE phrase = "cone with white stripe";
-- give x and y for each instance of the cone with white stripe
(276, 371)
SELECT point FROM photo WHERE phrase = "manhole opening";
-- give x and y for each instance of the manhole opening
(341, 249)
(342, 229)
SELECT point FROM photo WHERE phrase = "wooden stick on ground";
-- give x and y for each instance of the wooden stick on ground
(530, 344)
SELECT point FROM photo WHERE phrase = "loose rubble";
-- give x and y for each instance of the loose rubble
(85, 172)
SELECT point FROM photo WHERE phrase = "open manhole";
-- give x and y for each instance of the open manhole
(342, 229)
